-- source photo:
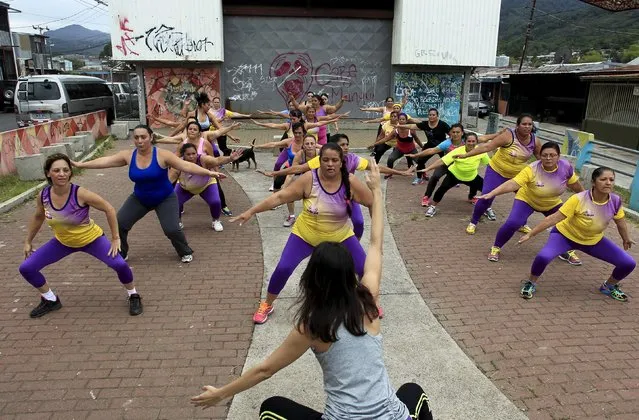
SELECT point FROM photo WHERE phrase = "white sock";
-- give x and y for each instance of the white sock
(291, 215)
(131, 292)
(49, 296)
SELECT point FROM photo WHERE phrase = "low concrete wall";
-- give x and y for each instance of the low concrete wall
(29, 140)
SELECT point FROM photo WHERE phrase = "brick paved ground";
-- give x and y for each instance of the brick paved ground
(570, 352)
(91, 360)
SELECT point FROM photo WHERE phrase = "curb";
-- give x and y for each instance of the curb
(28, 194)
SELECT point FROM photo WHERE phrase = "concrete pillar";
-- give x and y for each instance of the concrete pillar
(77, 142)
(30, 167)
(47, 151)
(87, 140)
(586, 175)
(120, 130)
(493, 123)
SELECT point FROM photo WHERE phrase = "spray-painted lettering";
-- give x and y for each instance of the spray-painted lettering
(163, 39)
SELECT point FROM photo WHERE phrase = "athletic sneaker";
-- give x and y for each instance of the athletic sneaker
(45, 307)
(528, 289)
(431, 211)
(272, 187)
(217, 226)
(525, 229)
(135, 304)
(262, 313)
(490, 214)
(470, 229)
(187, 258)
(418, 180)
(613, 291)
(494, 254)
(289, 221)
(181, 225)
(570, 257)
(227, 211)
(425, 200)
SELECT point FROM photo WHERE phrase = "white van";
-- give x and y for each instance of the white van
(53, 96)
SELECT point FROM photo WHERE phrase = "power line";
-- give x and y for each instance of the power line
(57, 20)
(589, 28)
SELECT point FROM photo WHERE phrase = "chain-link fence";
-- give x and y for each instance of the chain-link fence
(124, 85)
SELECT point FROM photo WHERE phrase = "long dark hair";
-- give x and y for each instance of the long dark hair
(195, 122)
(201, 98)
(330, 295)
(343, 170)
(599, 171)
(148, 130)
(51, 160)
(185, 147)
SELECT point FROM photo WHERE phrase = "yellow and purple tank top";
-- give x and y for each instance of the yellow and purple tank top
(71, 224)
(325, 216)
(587, 219)
(542, 189)
(193, 183)
(509, 160)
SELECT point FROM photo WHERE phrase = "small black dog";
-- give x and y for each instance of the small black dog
(247, 156)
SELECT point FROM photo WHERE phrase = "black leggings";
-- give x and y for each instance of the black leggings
(379, 150)
(280, 408)
(434, 179)
(397, 154)
(450, 181)
(221, 142)
(421, 161)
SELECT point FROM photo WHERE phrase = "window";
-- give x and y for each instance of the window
(43, 91)
(80, 90)
(125, 88)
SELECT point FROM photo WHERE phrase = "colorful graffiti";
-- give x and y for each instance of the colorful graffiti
(168, 88)
(29, 140)
(431, 90)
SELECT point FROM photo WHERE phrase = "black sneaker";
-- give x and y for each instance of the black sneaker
(45, 307)
(135, 305)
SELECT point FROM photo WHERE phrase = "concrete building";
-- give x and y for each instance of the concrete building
(8, 69)
(252, 53)
(33, 55)
(61, 64)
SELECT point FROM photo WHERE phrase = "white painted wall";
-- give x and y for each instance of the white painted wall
(164, 30)
(445, 32)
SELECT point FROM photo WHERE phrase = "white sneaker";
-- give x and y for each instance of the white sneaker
(272, 188)
(431, 211)
(217, 226)
(181, 225)
(187, 258)
(290, 220)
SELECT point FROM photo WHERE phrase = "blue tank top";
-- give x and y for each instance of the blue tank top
(152, 185)
(291, 155)
(206, 124)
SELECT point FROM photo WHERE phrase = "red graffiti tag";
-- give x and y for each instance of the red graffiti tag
(126, 42)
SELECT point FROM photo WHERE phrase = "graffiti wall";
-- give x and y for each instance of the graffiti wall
(268, 58)
(27, 141)
(431, 90)
(140, 30)
(168, 88)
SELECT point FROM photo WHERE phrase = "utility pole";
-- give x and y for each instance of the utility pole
(528, 31)
(41, 29)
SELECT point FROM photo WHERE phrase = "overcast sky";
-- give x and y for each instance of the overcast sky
(56, 14)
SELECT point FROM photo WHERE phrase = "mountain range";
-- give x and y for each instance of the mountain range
(76, 39)
(565, 24)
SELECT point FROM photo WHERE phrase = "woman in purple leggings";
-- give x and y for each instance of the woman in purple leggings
(65, 207)
(327, 194)
(580, 224)
(539, 188)
(338, 321)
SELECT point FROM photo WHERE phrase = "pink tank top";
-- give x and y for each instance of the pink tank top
(200, 146)
(321, 134)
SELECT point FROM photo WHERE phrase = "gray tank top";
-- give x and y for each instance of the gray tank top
(356, 382)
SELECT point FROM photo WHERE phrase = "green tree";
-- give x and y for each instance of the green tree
(630, 53)
(106, 51)
(591, 56)
(77, 63)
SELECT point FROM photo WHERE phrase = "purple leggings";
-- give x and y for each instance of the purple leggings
(492, 180)
(53, 251)
(281, 159)
(518, 217)
(211, 195)
(358, 220)
(297, 249)
(605, 250)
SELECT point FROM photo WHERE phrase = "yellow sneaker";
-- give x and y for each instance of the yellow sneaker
(525, 229)
(494, 254)
(470, 229)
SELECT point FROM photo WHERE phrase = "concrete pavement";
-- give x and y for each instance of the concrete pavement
(416, 347)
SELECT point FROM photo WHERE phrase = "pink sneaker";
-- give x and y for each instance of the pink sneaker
(380, 311)
(425, 201)
(262, 313)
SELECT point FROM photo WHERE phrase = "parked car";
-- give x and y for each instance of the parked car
(126, 99)
(477, 106)
(7, 90)
(50, 97)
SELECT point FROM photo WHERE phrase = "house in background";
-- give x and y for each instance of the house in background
(33, 56)
(61, 64)
(8, 68)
